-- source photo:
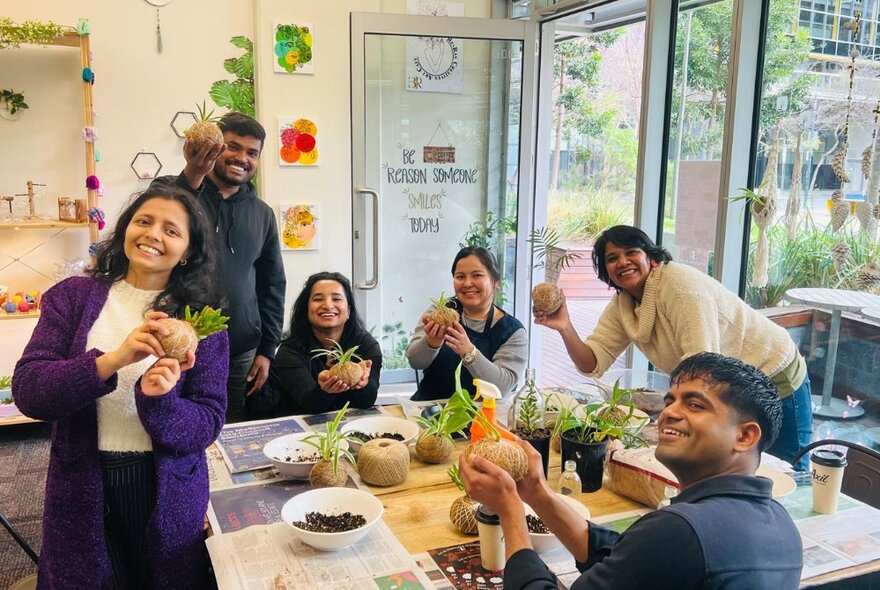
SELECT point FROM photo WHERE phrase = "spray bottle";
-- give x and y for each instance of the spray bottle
(490, 394)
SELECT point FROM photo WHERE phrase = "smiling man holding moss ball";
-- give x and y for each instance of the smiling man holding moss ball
(724, 530)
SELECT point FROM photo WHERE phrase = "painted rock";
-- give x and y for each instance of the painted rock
(10, 307)
(24, 306)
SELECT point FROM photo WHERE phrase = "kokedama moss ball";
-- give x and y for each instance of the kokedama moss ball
(546, 298)
(507, 455)
(181, 338)
(348, 372)
(432, 448)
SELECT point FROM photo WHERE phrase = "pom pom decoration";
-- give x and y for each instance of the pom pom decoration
(83, 27)
(90, 134)
(93, 248)
(92, 182)
(97, 216)
(88, 75)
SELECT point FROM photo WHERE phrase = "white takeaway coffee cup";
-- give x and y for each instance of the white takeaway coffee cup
(826, 466)
(491, 541)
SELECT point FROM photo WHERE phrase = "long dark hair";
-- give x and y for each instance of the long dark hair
(301, 328)
(625, 236)
(192, 284)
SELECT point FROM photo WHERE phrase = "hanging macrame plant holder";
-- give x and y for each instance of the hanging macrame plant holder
(762, 214)
(793, 206)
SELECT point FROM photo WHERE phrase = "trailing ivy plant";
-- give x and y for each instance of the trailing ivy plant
(237, 95)
(13, 101)
(29, 32)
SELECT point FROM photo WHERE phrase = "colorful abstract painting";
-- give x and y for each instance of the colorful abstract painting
(298, 141)
(293, 49)
(299, 227)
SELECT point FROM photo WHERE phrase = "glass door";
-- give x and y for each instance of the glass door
(442, 156)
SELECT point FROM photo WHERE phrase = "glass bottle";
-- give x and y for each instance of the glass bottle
(527, 409)
(570, 481)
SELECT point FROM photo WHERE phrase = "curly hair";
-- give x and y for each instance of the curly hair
(625, 236)
(301, 328)
(192, 284)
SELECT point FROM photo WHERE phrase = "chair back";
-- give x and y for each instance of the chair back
(861, 478)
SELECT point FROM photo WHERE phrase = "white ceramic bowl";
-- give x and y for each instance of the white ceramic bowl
(544, 543)
(332, 501)
(280, 450)
(374, 425)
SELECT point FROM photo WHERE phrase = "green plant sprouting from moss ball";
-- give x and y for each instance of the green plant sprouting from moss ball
(329, 444)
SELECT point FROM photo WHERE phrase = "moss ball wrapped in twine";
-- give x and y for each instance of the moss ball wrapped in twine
(383, 462)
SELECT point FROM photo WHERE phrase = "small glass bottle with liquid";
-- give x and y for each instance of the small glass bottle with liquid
(570, 481)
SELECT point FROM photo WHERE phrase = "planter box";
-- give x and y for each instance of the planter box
(578, 280)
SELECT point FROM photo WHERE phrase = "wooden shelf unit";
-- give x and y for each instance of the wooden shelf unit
(20, 315)
(41, 224)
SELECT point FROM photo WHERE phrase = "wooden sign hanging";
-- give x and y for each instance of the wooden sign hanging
(438, 154)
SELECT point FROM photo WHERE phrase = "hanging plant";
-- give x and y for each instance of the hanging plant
(27, 33)
(12, 101)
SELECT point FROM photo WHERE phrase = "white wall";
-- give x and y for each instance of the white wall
(137, 92)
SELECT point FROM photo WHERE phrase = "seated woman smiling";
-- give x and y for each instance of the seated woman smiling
(492, 345)
(323, 314)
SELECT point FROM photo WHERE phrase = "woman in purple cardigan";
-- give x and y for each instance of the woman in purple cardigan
(127, 487)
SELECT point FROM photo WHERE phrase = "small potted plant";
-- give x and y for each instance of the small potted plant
(463, 512)
(12, 104)
(326, 472)
(527, 418)
(586, 431)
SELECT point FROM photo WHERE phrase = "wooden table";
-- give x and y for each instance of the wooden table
(871, 312)
(836, 301)
(417, 511)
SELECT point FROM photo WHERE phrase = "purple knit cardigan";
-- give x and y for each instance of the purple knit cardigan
(56, 380)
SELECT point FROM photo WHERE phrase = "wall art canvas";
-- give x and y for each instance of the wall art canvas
(434, 64)
(299, 227)
(297, 141)
(293, 49)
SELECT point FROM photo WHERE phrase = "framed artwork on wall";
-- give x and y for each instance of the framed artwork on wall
(298, 141)
(293, 48)
(299, 227)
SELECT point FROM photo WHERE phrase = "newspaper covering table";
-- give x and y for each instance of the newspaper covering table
(270, 557)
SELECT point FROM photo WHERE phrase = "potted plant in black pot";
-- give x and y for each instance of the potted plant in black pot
(586, 431)
(526, 419)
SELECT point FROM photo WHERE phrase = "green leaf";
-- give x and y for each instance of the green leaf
(243, 42)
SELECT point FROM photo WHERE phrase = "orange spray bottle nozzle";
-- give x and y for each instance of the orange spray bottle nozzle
(490, 394)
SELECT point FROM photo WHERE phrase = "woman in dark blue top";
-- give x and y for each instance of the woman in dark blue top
(492, 345)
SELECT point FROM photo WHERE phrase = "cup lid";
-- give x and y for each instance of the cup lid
(828, 458)
(486, 517)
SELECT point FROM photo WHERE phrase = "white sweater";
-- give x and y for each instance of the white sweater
(683, 312)
(119, 427)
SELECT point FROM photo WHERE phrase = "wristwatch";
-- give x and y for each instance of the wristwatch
(470, 357)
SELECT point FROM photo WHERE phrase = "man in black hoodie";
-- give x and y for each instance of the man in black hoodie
(220, 174)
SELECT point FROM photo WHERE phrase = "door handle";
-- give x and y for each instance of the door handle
(374, 280)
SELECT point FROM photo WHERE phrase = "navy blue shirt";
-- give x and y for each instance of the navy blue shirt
(723, 532)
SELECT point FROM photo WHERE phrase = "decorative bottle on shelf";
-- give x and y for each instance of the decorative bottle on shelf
(527, 409)
(570, 481)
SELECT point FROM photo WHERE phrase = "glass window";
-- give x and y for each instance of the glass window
(814, 211)
(696, 134)
(594, 154)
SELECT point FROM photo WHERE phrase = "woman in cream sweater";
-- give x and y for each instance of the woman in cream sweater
(670, 311)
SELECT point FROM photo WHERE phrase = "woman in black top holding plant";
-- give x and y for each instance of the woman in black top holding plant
(323, 315)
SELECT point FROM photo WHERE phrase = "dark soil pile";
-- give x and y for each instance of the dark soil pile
(363, 436)
(536, 525)
(317, 522)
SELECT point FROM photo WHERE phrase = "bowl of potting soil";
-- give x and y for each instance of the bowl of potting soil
(292, 456)
(542, 539)
(364, 430)
(331, 519)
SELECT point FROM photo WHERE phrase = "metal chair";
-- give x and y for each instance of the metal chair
(861, 478)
